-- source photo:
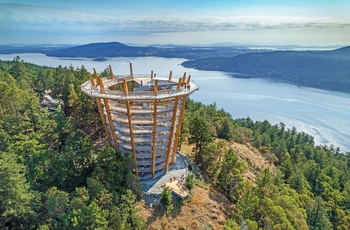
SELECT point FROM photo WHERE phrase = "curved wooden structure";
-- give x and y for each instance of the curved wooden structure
(142, 115)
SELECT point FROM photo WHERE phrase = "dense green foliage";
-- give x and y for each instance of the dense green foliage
(326, 70)
(310, 189)
(51, 175)
(166, 198)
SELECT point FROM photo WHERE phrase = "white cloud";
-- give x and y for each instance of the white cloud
(49, 20)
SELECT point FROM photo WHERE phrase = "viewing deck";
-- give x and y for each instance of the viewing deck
(177, 188)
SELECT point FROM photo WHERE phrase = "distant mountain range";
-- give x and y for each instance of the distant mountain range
(116, 49)
(320, 69)
(17, 49)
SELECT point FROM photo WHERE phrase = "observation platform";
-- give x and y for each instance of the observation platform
(177, 188)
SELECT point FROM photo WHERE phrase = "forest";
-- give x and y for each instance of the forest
(56, 173)
(52, 174)
(310, 188)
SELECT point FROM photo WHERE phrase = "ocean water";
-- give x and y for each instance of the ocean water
(323, 114)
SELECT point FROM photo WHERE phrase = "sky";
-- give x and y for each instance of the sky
(200, 22)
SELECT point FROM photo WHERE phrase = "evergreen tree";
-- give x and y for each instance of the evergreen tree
(200, 133)
(317, 215)
(166, 197)
(16, 197)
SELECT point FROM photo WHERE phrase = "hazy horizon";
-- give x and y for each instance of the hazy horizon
(245, 46)
(253, 23)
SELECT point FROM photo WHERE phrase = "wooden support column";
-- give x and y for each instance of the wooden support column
(103, 121)
(132, 142)
(183, 78)
(131, 73)
(112, 76)
(155, 88)
(92, 80)
(98, 102)
(111, 124)
(108, 111)
(172, 129)
(154, 137)
(111, 72)
(171, 136)
(126, 91)
(179, 84)
(178, 128)
(132, 136)
(188, 79)
(170, 75)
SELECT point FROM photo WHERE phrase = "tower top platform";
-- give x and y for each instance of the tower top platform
(138, 87)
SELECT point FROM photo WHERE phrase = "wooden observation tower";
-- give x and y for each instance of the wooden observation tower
(142, 115)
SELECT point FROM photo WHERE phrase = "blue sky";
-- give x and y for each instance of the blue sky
(143, 22)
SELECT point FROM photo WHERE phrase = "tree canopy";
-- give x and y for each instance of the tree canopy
(53, 176)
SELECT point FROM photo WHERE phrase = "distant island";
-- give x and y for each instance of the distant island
(100, 59)
(329, 70)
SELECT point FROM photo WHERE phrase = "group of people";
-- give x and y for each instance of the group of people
(179, 183)
(187, 87)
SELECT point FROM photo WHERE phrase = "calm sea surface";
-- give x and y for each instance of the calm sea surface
(323, 114)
